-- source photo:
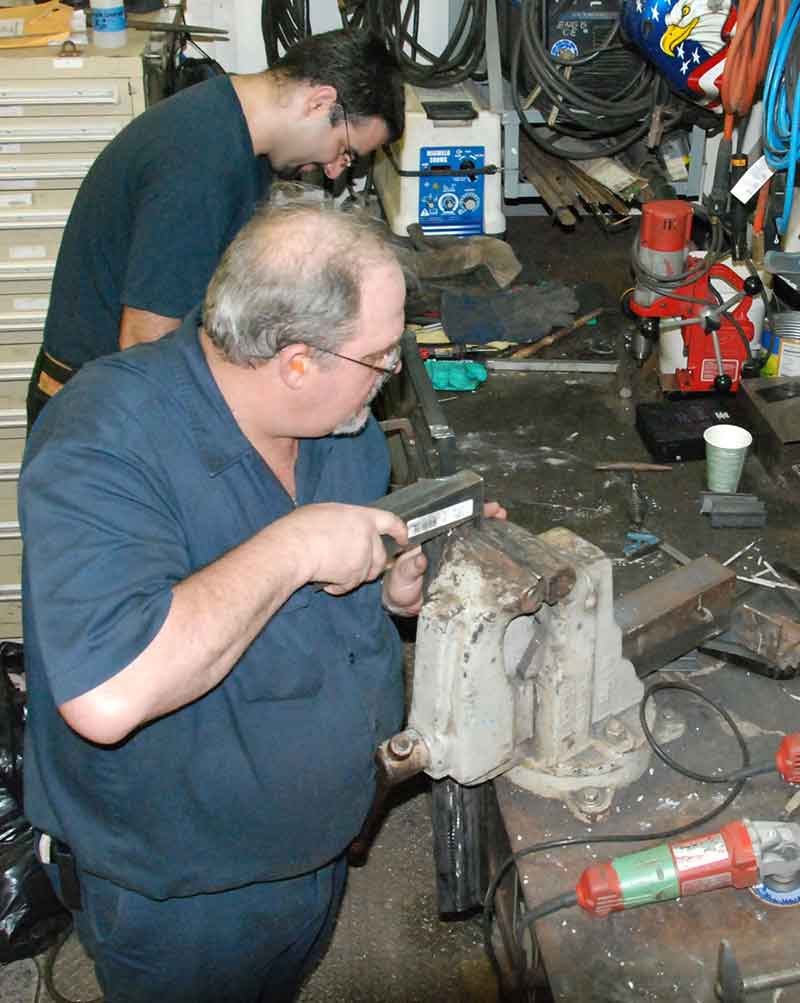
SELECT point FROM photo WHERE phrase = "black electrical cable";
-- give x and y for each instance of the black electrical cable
(556, 844)
(397, 22)
(565, 901)
(283, 23)
(727, 778)
(597, 98)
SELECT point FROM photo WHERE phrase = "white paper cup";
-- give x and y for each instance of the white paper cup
(726, 449)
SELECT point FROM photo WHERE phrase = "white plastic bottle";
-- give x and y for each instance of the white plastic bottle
(108, 23)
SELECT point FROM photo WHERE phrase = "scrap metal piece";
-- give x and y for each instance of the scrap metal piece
(773, 637)
(733, 987)
(733, 510)
(669, 616)
(551, 366)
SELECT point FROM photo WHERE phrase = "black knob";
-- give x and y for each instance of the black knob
(649, 327)
(711, 323)
(753, 285)
(723, 383)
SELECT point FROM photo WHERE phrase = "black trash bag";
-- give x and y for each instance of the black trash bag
(31, 916)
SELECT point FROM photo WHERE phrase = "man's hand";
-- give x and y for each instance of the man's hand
(494, 510)
(341, 544)
(402, 585)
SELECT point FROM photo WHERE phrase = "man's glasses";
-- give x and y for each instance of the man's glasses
(392, 356)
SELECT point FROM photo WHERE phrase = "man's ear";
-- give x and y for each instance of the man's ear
(320, 99)
(295, 362)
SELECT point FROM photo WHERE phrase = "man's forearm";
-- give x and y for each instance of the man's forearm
(214, 615)
(138, 326)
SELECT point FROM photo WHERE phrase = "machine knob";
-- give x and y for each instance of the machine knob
(470, 203)
(711, 323)
(448, 202)
(649, 327)
(723, 383)
(753, 285)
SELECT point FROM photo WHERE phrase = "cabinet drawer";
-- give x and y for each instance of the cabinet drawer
(24, 171)
(12, 444)
(70, 129)
(28, 254)
(10, 553)
(86, 96)
(10, 612)
(18, 355)
(35, 209)
(23, 310)
(9, 481)
(14, 380)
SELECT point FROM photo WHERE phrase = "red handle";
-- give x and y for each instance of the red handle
(788, 759)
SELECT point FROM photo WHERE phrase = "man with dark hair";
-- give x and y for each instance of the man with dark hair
(166, 196)
(202, 716)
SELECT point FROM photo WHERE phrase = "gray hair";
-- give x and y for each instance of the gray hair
(292, 275)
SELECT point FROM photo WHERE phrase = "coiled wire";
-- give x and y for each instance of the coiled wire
(781, 128)
(610, 94)
(397, 22)
(284, 23)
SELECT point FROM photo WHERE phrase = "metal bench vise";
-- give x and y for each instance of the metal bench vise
(519, 668)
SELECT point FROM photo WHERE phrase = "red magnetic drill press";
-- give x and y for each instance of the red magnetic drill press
(678, 291)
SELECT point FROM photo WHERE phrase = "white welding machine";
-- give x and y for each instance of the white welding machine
(445, 173)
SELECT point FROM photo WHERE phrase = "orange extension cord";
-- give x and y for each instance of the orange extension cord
(748, 56)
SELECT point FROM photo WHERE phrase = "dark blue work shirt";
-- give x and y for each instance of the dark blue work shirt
(135, 476)
(150, 222)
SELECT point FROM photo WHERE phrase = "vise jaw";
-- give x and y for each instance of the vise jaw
(519, 667)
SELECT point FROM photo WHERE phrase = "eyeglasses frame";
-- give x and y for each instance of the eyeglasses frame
(360, 362)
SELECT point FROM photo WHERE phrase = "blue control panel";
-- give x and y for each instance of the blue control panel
(449, 204)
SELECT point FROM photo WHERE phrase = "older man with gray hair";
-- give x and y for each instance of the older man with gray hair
(202, 716)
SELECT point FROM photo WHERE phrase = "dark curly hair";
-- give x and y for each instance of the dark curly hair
(364, 72)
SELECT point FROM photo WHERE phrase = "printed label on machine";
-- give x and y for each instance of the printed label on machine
(451, 203)
(701, 853)
(451, 515)
(710, 370)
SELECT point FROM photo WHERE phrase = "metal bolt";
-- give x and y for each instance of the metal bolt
(402, 745)
(667, 715)
(590, 795)
(615, 728)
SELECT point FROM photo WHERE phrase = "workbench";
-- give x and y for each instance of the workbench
(664, 951)
(536, 438)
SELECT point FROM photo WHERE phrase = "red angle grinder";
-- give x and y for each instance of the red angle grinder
(764, 856)
(676, 290)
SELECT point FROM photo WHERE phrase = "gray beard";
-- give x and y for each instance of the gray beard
(356, 422)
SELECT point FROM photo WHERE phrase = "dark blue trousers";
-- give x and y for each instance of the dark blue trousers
(249, 945)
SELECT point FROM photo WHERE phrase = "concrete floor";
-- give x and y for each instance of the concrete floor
(536, 440)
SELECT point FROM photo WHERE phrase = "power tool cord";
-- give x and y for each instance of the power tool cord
(556, 844)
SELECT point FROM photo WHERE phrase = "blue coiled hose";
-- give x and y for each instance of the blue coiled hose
(782, 107)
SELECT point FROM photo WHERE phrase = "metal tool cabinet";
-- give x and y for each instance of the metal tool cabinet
(58, 108)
